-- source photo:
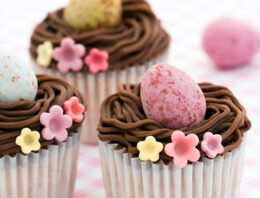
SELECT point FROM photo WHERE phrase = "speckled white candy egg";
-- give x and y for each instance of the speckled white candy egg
(17, 79)
(172, 97)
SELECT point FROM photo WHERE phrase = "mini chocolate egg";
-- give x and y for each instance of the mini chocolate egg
(171, 97)
(230, 43)
(17, 79)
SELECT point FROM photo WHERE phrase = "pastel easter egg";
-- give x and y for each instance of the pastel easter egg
(93, 14)
(17, 79)
(171, 97)
(230, 43)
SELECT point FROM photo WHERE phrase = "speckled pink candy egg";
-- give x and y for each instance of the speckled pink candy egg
(171, 97)
(230, 43)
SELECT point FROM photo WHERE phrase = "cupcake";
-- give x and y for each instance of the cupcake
(171, 137)
(40, 124)
(97, 45)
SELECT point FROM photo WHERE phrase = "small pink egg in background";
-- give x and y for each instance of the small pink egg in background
(230, 43)
(171, 97)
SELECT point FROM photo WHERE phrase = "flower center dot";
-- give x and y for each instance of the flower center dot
(97, 59)
(28, 140)
(44, 53)
(55, 125)
(68, 54)
(75, 108)
(181, 148)
(149, 149)
(212, 144)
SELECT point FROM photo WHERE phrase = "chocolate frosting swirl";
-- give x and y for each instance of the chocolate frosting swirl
(137, 39)
(123, 120)
(16, 116)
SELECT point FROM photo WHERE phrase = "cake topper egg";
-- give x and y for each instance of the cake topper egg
(230, 43)
(93, 14)
(171, 97)
(17, 79)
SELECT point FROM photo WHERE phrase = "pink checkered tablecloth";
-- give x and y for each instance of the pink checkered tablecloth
(185, 20)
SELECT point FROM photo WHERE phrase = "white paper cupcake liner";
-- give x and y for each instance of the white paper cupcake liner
(130, 178)
(50, 173)
(96, 87)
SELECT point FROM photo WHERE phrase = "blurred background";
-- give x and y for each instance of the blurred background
(185, 20)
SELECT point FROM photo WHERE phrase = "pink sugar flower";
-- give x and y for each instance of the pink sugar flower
(69, 55)
(74, 109)
(183, 148)
(97, 60)
(211, 144)
(55, 124)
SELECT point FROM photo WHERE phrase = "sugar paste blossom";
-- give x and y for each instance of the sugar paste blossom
(44, 54)
(74, 109)
(211, 144)
(183, 148)
(28, 141)
(55, 124)
(97, 60)
(149, 149)
(69, 55)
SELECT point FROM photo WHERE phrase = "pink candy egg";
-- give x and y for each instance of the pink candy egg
(171, 97)
(230, 43)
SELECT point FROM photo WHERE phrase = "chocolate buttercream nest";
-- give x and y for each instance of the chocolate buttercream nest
(26, 114)
(138, 39)
(123, 120)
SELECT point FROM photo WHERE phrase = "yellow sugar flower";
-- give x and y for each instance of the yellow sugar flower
(44, 52)
(149, 149)
(28, 141)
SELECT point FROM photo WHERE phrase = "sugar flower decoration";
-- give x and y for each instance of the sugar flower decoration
(69, 55)
(97, 60)
(55, 124)
(44, 54)
(183, 148)
(149, 149)
(28, 141)
(74, 109)
(211, 144)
